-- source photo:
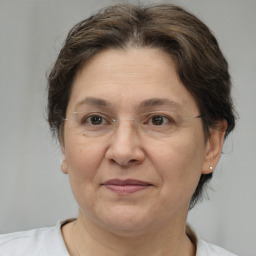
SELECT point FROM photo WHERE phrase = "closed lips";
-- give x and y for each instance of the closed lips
(118, 182)
(126, 187)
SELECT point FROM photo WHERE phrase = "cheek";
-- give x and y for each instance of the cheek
(181, 155)
(83, 159)
(178, 161)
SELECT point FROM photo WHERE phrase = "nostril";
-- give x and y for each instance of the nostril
(112, 161)
(124, 163)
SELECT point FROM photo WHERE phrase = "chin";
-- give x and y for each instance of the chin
(126, 221)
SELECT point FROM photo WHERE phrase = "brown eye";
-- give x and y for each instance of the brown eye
(96, 120)
(157, 120)
(160, 120)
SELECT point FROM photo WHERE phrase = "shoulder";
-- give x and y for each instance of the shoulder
(204, 248)
(37, 242)
(17, 243)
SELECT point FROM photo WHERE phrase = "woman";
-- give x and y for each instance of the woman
(139, 98)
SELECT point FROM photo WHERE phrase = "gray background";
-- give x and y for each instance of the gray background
(34, 192)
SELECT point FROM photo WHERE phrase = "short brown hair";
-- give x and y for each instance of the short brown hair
(200, 63)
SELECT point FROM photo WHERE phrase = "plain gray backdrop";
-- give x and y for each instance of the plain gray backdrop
(33, 190)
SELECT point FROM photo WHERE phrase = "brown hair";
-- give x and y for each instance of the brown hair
(200, 63)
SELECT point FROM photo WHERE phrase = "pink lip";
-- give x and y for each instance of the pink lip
(127, 186)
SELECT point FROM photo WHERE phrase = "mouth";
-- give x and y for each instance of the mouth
(125, 187)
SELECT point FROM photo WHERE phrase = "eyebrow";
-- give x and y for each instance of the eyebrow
(94, 102)
(153, 102)
(158, 102)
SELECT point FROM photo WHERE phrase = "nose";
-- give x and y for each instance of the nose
(125, 147)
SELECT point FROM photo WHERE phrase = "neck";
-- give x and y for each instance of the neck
(90, 239)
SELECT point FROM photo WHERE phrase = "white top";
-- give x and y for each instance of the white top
(49, 242)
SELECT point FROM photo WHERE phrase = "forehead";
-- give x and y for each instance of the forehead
(128, 79)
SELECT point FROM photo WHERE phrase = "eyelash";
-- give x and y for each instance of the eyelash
(148, 119)
(86, 119)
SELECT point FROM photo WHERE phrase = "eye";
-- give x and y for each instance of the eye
(159, 120)
(93, 120)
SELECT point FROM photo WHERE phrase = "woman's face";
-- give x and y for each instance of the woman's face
(128, 181)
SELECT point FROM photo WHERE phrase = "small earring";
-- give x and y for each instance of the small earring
(210, 167)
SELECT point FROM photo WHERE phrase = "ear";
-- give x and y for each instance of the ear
(214, 147)
(64, 166)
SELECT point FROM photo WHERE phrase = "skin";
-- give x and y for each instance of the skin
(150, 221)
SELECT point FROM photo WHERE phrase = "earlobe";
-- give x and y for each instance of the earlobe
(214, 147)
(64, 167)
(64, 162)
